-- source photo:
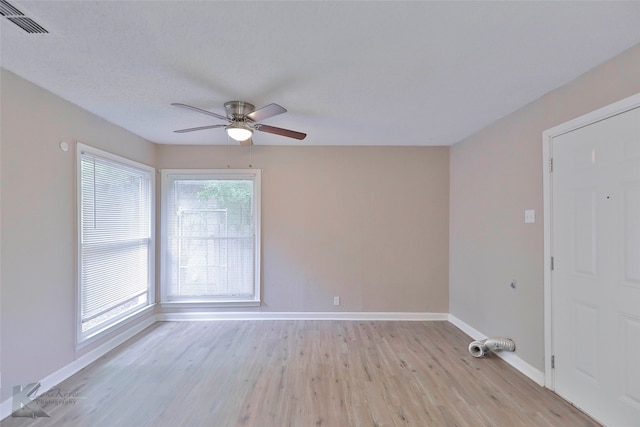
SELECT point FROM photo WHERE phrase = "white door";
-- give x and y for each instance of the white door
(595, 244)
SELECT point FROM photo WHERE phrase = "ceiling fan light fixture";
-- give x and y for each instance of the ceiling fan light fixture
(239, 131)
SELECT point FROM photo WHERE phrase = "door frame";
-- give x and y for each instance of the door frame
(603, 113)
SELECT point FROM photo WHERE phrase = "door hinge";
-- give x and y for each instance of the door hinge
(550, 164)
(552, 264)
(553, 362)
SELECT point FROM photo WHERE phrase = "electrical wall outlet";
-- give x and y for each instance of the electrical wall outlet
(336, 300)
(530, 216)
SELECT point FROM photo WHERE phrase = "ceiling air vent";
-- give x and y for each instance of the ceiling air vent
(7, 9)
(14, 15)
(29, 25)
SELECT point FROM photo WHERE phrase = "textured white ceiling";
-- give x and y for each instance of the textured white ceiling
(350, 73)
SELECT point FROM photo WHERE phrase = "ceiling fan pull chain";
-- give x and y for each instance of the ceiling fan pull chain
(228, 152)
(251, 156)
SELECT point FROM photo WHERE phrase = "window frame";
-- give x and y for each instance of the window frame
(167, 176)
(85, 338)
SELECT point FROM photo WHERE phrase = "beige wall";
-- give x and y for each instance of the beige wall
(496, 175)
(37, 317)
(368, 224)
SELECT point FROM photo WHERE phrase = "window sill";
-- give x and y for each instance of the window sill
(126, 322)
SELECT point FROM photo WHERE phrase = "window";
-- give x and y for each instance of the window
(211, 237)
(116, 244)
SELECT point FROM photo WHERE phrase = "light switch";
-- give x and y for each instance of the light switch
(530, 216)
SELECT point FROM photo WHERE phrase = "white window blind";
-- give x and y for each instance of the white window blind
(115, 239)
(211, 236)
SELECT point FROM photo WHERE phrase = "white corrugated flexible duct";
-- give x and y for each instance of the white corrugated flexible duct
(480, 347)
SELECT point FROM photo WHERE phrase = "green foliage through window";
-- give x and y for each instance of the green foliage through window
(233, 195)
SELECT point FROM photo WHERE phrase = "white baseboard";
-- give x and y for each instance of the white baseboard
(51, 380)
(332, 315)
(511, 358)
(6, 409)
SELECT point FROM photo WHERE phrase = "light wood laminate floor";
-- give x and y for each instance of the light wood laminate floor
(302, 373)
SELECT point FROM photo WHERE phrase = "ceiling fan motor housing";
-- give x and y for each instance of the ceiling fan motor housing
(237, 110)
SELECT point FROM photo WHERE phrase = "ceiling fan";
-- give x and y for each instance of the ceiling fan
(243, 118)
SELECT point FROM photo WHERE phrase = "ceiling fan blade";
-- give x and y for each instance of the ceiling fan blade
(280, 131)
(199, 128)
(200, 110)
(266, 112)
